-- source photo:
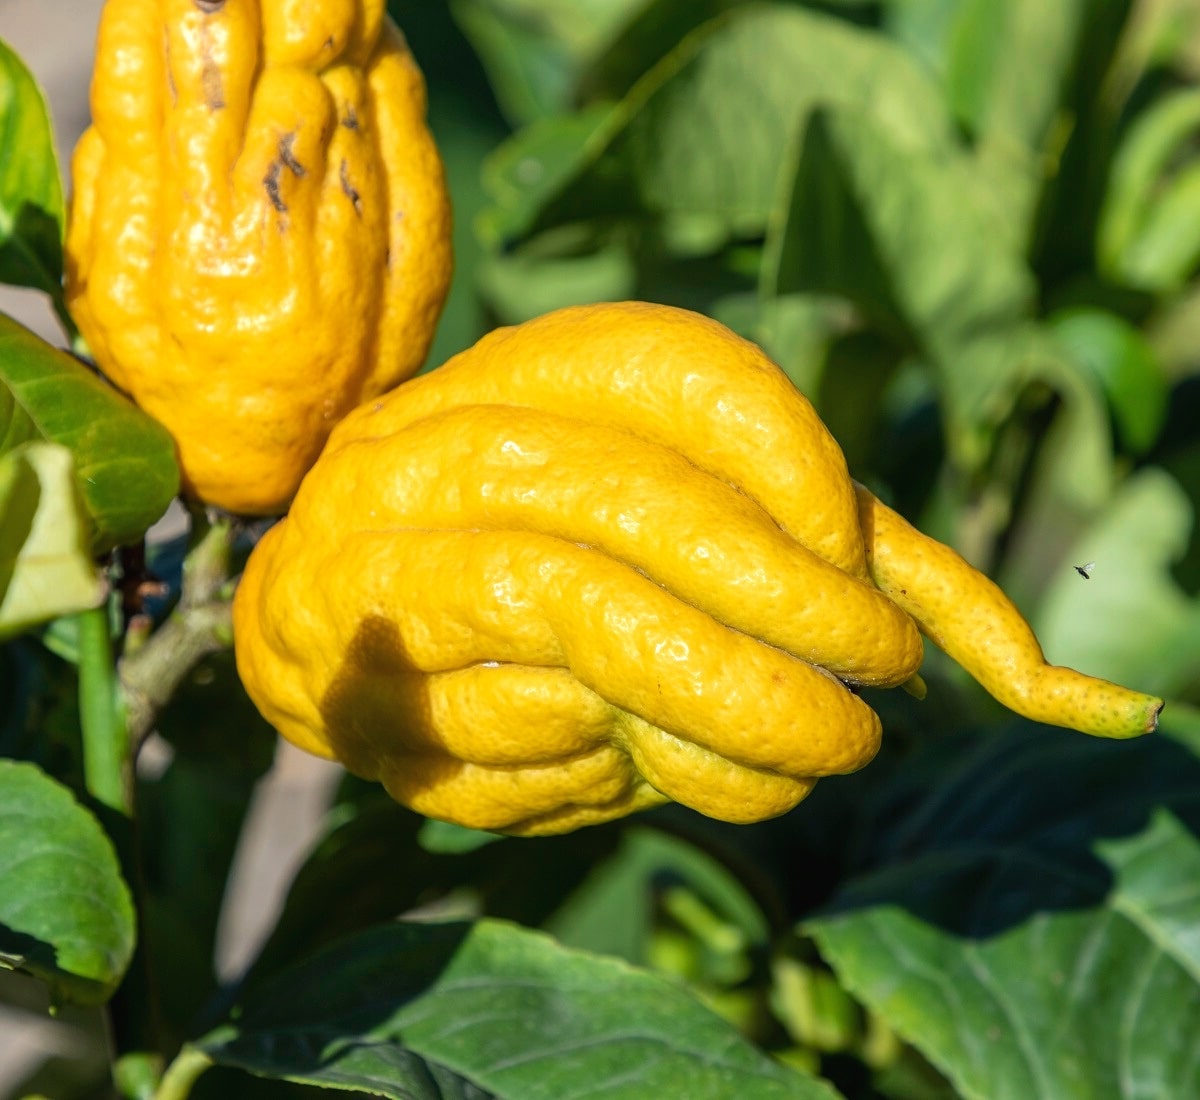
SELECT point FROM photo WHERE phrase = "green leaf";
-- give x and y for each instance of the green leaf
(1130, 622)
(614, 910)
(465, 134)
(706, 131)
(66, 915)
(446, 838)
(1149, 231)
(1158, 871)
(1076, 467)
(521, 285)
(1118, 357)
(124, 460)
(1166, 251)
(1006, 70)
(373, 859)
(529, 172)
(795, 330)
(904, 234)
(652, 32)
(533, 49)
(46, 569)
(31, 200)
(529, 72)
(497, 1007)
(1030, 924)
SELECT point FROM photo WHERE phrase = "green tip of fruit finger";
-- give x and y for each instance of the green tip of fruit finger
(1064, 697)
(1150, 711)
(915, 686)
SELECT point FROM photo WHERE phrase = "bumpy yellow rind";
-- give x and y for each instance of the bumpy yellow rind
(603, 560)
(259, 234)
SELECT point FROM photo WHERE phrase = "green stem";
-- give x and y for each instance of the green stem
(182, 1074)
(106, 757)
(108, 775)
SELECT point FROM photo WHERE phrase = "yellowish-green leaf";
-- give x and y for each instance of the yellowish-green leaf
(45, 566)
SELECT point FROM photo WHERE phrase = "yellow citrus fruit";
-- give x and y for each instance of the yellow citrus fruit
(259, 236)
(601, 560)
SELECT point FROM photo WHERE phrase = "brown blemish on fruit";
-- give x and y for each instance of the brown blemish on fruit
(288, 158)
(349, 189)
(271, 183)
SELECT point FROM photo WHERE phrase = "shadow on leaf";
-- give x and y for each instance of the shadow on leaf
(1011, 826)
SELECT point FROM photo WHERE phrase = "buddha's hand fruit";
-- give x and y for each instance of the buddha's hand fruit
(604, 559)
(259, 234)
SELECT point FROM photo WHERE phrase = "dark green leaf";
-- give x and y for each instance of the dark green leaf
(505, 1009)
(614, 909)
(66, 915)
(1029, 925)
(124, 460)
(20, 678)
(31, 201)
(373, 861)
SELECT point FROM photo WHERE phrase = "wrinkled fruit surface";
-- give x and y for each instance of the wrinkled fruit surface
(259, 237)
(601, 560)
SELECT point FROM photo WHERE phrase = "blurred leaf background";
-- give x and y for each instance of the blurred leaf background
(970, 233)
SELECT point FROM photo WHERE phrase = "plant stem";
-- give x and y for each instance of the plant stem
(106, 757)
(182, 1074)
(108, 774)
(200, 625)
(144, 682)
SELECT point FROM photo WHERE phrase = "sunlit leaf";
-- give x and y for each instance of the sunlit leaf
(903, 233)
(507, 1011)
(46, 569)
(1130, 622)
(535, 49)
(1119, 358)
(124, 460)
(1149, 232)
(707, 130)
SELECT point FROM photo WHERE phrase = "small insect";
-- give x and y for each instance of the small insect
(1085, 571)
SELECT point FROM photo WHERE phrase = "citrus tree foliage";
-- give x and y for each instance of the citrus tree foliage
(970, 233)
